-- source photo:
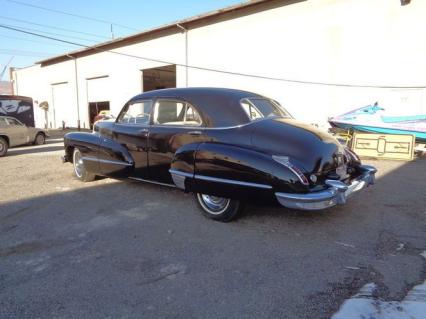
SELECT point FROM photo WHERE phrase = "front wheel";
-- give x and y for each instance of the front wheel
(4, 145)
(219, 208)
(79, 168)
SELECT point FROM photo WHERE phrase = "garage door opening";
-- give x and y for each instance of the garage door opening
(159, 78)
(95, 108)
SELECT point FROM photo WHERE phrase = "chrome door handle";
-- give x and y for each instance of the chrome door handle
(144, 132)
(195, 133)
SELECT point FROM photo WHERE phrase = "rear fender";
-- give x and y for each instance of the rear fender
(236, 172)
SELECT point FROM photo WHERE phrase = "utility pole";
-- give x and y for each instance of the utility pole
(5, 68)
(76, 90)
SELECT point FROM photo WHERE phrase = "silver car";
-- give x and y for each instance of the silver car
(14, 133)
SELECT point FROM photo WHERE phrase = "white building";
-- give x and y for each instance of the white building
(374, 50)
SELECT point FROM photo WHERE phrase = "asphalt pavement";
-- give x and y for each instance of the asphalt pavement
(123, 249)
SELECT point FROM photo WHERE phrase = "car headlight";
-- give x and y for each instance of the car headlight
(285, 160)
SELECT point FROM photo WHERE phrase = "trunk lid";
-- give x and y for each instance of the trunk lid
(311, 149)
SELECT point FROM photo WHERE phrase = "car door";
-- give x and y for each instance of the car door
(17, 132)
(128, 134)
(175, 123)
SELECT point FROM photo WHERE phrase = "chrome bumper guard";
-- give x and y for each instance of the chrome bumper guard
(337, 193)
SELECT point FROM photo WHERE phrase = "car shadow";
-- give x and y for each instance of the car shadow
(140, 228)
(22, 150)
(405, 181)
(54, 141)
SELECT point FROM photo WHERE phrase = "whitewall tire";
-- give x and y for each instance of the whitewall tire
(219, 208)
(80, 170)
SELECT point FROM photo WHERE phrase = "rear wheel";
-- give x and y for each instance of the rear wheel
(79, 168)
(39, 139)
(4, 145)
(219, 208)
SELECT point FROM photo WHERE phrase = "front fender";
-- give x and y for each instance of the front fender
(114, 158)
(88, 144)
(101, 155)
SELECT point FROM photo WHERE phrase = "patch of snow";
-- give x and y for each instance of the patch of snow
(363, 305)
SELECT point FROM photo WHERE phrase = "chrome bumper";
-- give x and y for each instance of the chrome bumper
(337, 193)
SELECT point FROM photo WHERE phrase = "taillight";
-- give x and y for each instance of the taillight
(284, 160)
(352, 155)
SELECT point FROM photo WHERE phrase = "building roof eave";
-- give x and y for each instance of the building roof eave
(171, 28)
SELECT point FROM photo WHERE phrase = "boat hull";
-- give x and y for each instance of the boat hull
(420, 136)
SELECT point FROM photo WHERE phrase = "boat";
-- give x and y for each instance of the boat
(374, 119)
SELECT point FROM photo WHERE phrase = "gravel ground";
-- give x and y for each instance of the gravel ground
(121, 249)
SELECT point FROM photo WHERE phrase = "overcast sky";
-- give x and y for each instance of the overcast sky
(130, 16)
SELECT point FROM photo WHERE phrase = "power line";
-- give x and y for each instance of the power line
(54, 27)
(50, 33)
(24, 52)
(35, 41)
(217, 70)
(71, 14)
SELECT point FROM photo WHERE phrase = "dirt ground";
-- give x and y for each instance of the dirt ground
(122, 249)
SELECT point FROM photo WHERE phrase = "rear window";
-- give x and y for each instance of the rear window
(257, 108)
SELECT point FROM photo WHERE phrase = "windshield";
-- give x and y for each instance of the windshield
(257, 108)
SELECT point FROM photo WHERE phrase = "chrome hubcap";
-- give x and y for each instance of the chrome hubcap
(1, 147)
(213, 204)
(78, 164)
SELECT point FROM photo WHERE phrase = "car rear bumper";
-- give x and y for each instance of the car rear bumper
(336, 193)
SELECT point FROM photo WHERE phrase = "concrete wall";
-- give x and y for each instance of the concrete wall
(369, 42)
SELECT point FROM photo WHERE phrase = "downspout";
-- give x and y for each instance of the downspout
(186, 51)
(76, 89)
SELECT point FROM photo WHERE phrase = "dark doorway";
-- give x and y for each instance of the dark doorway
(95, 108)
(159, 78)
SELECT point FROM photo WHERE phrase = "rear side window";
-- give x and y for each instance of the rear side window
(257, 108)
(136, 113)
(14, 122)
(170, 112)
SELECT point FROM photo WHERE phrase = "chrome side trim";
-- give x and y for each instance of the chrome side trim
(180, 173)
(94, 159)
(218, 127)
(151, 182)
(231, 181)
(179, 178)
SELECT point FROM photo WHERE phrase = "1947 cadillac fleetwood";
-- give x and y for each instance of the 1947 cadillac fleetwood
(223, 145)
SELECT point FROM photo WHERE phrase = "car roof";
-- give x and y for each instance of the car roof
(220, 107)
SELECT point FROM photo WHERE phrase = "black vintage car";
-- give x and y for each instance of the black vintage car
(225, 146)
